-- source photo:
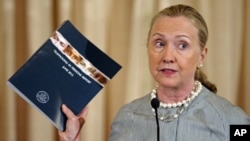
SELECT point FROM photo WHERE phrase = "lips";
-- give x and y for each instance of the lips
(168, 71)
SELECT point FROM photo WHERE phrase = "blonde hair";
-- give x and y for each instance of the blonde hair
(199, 23)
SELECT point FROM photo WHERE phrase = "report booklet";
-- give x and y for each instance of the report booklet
(66, 69)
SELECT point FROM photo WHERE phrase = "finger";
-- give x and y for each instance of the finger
(83, 113)
(67, 111)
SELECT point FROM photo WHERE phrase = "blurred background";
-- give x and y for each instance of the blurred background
(119, 28)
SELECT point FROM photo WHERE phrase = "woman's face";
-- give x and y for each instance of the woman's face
(174, 51)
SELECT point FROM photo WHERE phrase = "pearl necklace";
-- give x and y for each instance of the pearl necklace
(195, 92)
(182, 105)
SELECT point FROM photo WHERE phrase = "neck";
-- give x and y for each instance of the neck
(173, 95)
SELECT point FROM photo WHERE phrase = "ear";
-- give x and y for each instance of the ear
(203, 54)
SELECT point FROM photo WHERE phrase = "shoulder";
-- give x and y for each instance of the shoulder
(223, 108)
(134, 109)
(123, 124)
(137, 105)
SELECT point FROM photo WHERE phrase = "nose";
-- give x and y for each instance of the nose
(168, 55)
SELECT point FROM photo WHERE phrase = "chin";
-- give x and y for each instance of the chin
(169, 83)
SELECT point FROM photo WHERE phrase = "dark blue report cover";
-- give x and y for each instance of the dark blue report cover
(66, 69)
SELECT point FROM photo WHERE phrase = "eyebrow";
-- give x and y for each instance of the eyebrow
(155, 34)
(178, 36)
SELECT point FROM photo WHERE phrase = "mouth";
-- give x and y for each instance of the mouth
(168, 71)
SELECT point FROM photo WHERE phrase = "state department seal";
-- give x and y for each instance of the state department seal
(42, 97)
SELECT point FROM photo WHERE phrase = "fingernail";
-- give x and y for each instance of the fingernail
(81, 121)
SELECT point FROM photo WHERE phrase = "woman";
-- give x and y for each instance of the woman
(189, 108)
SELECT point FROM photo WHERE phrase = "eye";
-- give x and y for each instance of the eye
(183, 45)
(159, 44)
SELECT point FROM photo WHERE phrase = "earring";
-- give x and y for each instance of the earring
(200, 66)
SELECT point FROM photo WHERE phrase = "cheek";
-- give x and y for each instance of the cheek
(153, 62)
(189, 62)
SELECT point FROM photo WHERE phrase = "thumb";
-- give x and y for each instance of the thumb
(67, 111)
